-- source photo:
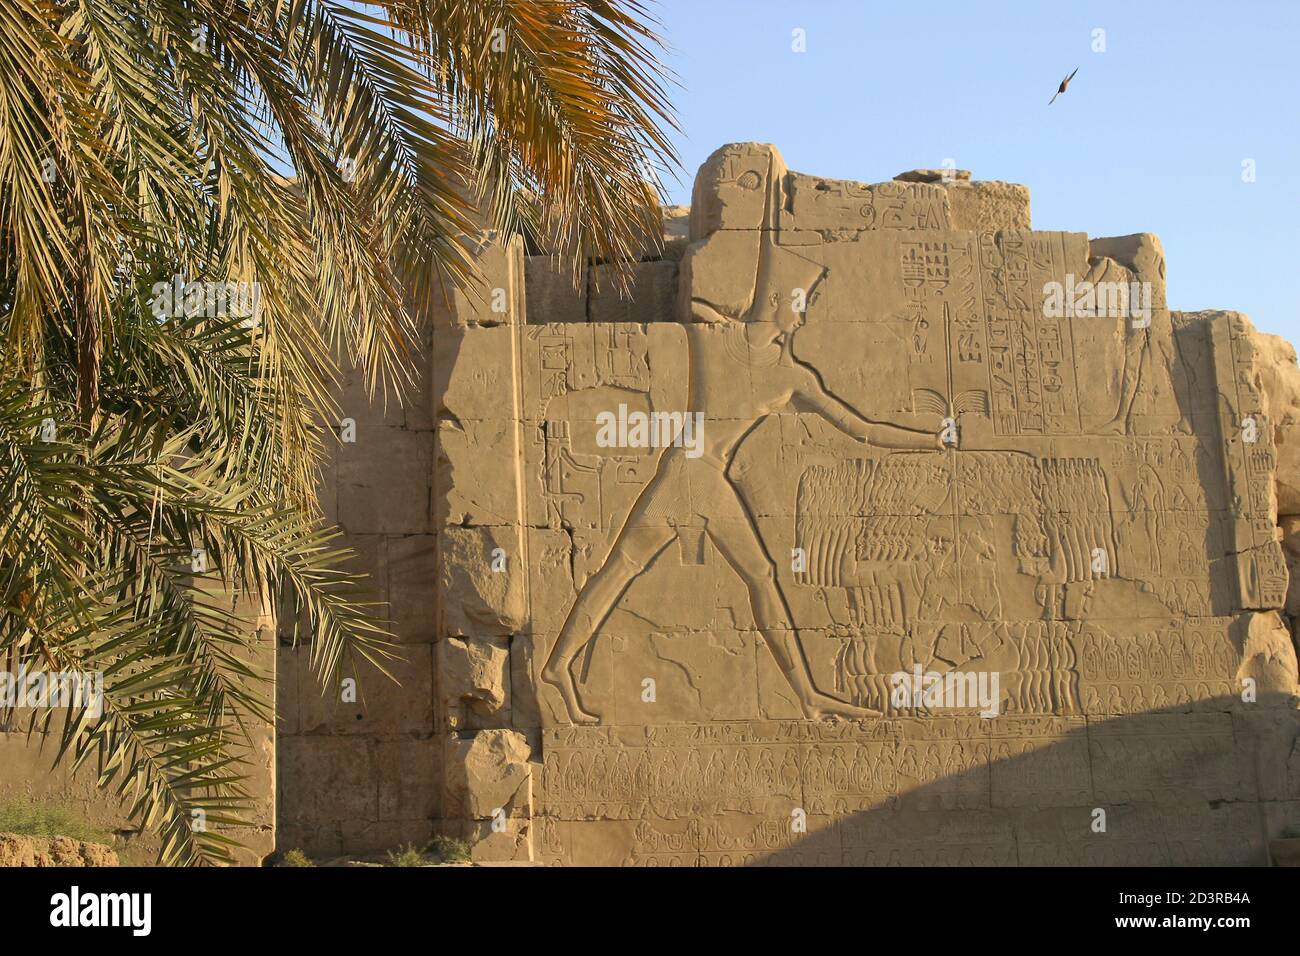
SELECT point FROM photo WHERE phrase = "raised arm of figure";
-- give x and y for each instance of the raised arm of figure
(811, 393)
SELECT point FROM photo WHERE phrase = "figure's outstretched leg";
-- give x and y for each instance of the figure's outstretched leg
(635, 548)
(738, 542)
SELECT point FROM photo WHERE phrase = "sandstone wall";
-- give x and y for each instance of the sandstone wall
(364, 773)
(1121, 683)
(630, 655)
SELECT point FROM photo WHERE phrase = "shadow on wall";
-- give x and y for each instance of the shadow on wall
(1175, 787)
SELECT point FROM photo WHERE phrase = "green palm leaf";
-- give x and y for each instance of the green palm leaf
(335, 157)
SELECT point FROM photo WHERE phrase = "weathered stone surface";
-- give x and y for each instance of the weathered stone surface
(411, 569)
(651, 296)
(979, 206)
(1280, 380)
(840, 209)
(407, 773)
(554, 291)
(342, 772)
(511, 846)
(473, 373)
(497, 298)
(18, 850)
(677, 229)
(480, 582)
(392, 500)
(375, 705)
(934, 176)
(477, 478)
(1290, 525)
(1002, 205)
(706, 285)
(488, 776)
(1268, 654)
(473, 679)
(987, 206)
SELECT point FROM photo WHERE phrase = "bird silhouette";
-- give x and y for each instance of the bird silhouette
(1061, 89)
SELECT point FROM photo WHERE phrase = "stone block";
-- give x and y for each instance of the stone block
(650, 297)
(412, 572)
(554, 293)
(488, 776)
(376, 704)
(473, 682)
(477, 473)
(385, 482)
(480, 581)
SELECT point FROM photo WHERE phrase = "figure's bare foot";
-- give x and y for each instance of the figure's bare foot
(1113, 427)
(557, 675)
(818, 706)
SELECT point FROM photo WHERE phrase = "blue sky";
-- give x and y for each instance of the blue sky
(1150, 137)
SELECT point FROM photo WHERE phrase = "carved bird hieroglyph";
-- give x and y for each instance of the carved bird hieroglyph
(1061, 89)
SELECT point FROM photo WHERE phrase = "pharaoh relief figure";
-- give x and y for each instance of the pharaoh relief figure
(1147, 362)
(742, 302)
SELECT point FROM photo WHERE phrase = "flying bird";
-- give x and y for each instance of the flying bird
(1061, 89)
